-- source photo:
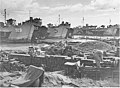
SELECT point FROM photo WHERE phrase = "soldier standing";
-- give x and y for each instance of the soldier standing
(98, 57)
(31, 52)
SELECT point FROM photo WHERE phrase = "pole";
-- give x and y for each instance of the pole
(59, 18)
(5, 15)
(1, 5)
(109, 21)
(83, 15)
(29, 13)
(83, 21)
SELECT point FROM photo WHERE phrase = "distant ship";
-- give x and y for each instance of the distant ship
(90, 30)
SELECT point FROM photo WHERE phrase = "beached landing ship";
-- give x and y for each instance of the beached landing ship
(33, 31)
(27, 31)
(63, 30)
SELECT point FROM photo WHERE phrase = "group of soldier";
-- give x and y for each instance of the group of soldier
(67, 50)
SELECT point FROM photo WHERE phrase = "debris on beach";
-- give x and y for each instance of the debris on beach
(90, 46)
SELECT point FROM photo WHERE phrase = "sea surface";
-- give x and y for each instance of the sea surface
(98, 37)
(24, 46)
(15, 46)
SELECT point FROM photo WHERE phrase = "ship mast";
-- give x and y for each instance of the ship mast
(5, 15)
(29, 13)
(83, 21)
(59, 18)
(109, 21)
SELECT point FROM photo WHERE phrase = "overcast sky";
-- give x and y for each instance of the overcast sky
(95, 12)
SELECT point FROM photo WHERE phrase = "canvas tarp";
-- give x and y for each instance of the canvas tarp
(29, 77)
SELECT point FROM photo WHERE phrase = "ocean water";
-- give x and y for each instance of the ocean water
(7, 46)
(24, 46)
(97, 37)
